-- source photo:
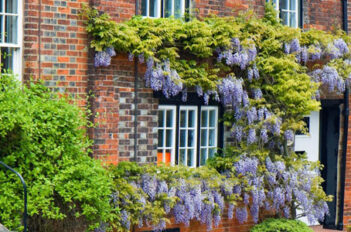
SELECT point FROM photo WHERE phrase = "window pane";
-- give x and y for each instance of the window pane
(160, 118)
(191, 138)
(190, 160)
(283, 4)
(191, 122)
(293, 19)
(144, 7)
(169, 138)
(182, 138)
(182, 118)
(160, 138)
(7, 59)
(11, 29)
(204, 114)
(182, 156)
(168, 8)
(212, 137)
(292, 5)
(212, 152)
(168, 156)
(284, 16)
(177, 8)
(1, 3)
(203, 156)
(11, 6)
(153, 8)
(169, 118)
(203, 137)
(212, 118)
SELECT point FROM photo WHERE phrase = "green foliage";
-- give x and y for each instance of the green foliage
(43, 137)
(281, 225)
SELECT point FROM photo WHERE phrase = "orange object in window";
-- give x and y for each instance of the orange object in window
(167, 158)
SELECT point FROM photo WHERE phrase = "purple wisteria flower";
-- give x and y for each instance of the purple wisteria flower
(102, 59)
(241, 214)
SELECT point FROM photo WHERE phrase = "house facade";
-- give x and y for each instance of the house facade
(46, 40)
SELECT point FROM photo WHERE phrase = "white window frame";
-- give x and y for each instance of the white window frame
(187, 109)
(208, 128)
(297, 4)
(159, 10)
(17, 55)
(164, 128)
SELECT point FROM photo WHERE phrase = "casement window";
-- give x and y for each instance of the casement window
(289, 11)
(11, 36)
(163, 8)
(187, 134)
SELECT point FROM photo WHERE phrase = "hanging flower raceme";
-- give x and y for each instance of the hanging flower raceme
(103, 58)
(329, 78)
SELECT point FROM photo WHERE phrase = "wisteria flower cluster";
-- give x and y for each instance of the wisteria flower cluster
(103, 58)
(238, 55)
(160, 77)
(279, 188)
(334, 50)
(329, 78)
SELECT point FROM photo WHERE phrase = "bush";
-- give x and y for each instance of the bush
(43, 137)
(281, 225)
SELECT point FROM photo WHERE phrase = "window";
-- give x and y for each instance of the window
(187, 134)
(288, 11)
(163, 8)
(166, 134)
(209, 122)
(11, 35)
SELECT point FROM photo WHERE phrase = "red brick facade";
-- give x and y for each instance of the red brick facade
(56, 50)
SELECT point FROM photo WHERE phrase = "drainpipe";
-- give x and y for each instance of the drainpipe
(340, 224)
(39, 41)
(344, 16)
(136, 96)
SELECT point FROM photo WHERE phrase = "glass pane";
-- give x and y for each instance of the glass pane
(190, 160)
(191, 121)
(168, 156)
(204, 137)
(283, 4)
(177, 8)
(11, 6)
(11, 29)
(284, 16)
(169, 138)
(212, 118)
(7, 59)
(153, 8)
(292, 19)
(204, 114)
(160, 156)
(168, 8)
(191, 139)
(160, 118)
(160, 138)
(169, 118)
(143, 7)
(212, 137)
(212, 152)
(182, 118)
(203, 156)
(292, 5)
(182, 156)
(182, 138)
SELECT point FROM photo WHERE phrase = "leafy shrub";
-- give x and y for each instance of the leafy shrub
(281, 225)
(43, 137)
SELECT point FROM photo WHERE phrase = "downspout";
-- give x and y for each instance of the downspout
(344, 16)
(39, 41)
(340, 224)
(136, 96)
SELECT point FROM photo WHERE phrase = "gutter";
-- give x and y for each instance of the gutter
(136, 96)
